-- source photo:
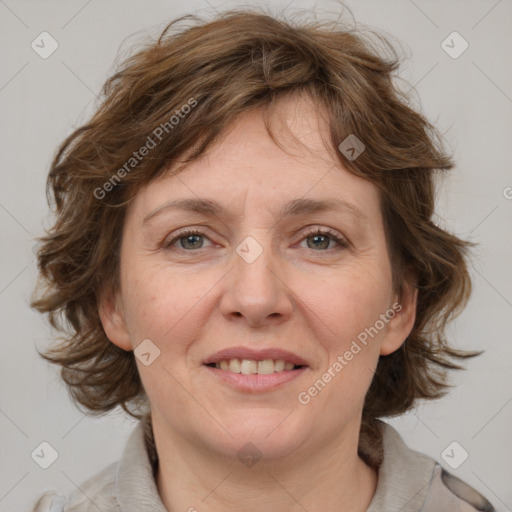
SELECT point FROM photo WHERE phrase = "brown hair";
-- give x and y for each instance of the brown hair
(242, 60)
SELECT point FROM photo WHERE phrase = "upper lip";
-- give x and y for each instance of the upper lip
(256, 355)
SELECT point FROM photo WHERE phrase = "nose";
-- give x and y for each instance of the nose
(256, 290)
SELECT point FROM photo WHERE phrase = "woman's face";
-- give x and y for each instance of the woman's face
(257, 279)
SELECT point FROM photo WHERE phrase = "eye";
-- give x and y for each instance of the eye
(190, 240)
(321, 239)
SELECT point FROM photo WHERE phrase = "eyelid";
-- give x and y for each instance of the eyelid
(341, 240)
(188, 231)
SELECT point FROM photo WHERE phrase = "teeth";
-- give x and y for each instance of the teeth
(247, 366)
(250, 366)
(234, 366)
(266, 366)
(279, 365)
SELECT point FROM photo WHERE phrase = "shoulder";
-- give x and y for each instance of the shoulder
(446, 488)
(120, 487)
(50, 501)
(410, 481)
(98, 492)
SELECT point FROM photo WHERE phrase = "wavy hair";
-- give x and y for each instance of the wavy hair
(245, 59)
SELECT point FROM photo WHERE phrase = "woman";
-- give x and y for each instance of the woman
(245, 257)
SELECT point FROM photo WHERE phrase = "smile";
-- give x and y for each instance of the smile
(251, 366)
(246, 377)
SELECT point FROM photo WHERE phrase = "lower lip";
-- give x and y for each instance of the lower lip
(255, 382)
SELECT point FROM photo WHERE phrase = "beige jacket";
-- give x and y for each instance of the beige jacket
(408, 481)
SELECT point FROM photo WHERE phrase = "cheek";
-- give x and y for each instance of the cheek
(349, 329)
(350, 300)
(167, 305)
(154, 304)
(347, 313)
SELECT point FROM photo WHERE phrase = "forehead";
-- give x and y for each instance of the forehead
(246, 169)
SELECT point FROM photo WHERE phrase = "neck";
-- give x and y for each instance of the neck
(192, 478)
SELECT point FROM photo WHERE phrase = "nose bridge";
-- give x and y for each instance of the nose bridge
(254, 262)
(256, 291)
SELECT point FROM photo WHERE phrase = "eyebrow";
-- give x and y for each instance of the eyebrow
(296, 207)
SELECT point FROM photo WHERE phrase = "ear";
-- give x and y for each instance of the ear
(112, 319)
(400, 326)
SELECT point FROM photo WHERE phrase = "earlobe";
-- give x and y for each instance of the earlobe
(112, 319)
(401, 325)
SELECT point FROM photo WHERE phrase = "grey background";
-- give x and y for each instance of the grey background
(43, 100)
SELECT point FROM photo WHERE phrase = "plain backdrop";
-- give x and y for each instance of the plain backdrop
(43, 100)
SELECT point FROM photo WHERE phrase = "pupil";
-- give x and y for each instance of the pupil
(317, 237)
(189, 238)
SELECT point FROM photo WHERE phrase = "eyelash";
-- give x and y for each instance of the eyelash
(342, 244)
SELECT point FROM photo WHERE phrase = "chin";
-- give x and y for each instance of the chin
(269, 433)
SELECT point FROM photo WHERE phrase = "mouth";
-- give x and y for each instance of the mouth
(255, 371)
(255, 367)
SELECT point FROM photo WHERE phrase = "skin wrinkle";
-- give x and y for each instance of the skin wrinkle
(166, 99)
(213, 208)
(279, 300)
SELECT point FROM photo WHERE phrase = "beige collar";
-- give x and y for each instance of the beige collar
(404, 474)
